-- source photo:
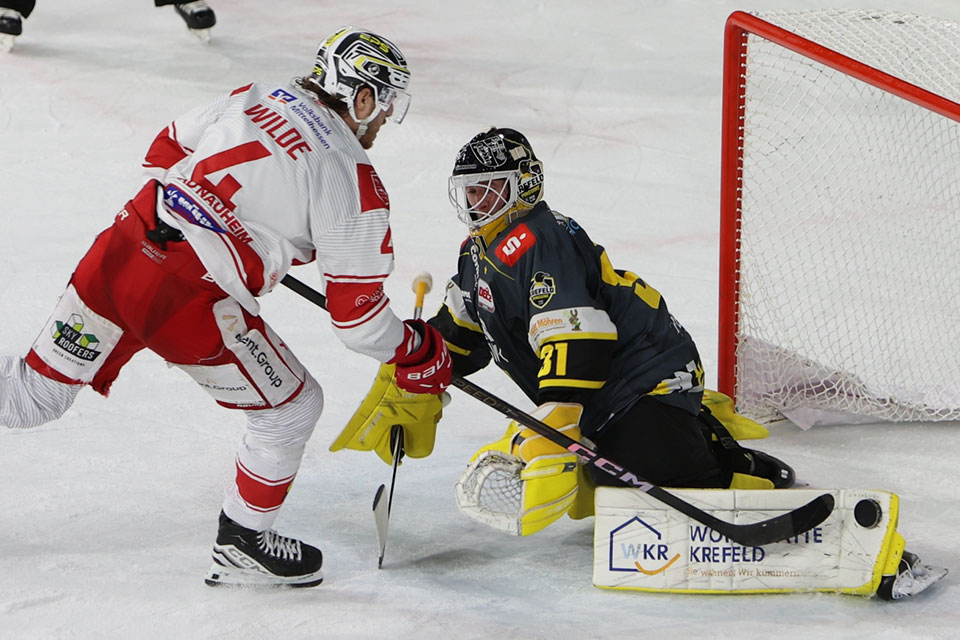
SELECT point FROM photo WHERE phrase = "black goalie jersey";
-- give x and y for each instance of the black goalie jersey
(546, 304)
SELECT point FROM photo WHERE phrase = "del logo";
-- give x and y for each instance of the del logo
(70, 337)
(542, 288)
(179, 203)
(638, 547)
(516, 244)
(282, 96)
(484, 296)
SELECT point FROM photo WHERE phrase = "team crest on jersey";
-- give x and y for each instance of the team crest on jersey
(178, 202)
(542, 289)
(484, 296)
(373, 195)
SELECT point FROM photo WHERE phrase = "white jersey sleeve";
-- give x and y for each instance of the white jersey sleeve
(267, 177)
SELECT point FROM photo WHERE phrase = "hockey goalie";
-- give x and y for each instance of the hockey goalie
(596, 349)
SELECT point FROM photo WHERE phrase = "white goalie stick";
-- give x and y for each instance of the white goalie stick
(755, 534)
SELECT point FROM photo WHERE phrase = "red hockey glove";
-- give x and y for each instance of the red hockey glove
(426, 368)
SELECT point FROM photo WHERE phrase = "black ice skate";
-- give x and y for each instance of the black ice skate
(911, 578)
(244, 557)
(199, 17)
(773, 469)
(11, 26)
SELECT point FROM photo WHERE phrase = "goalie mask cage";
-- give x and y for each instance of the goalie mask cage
(840, 217)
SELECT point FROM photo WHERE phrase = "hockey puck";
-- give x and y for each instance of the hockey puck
(868, 513)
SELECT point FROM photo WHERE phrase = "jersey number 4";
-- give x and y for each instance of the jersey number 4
(228, 185)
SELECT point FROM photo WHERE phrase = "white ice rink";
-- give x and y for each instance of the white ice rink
(107, 516)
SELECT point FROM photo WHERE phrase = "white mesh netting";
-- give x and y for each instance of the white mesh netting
(490, 491)
(850, 243)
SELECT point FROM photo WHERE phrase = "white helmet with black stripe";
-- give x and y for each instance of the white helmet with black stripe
(353, 58)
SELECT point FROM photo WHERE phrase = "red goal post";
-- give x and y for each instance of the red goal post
(840, 202)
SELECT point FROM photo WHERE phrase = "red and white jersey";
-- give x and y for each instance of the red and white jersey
(266, 177)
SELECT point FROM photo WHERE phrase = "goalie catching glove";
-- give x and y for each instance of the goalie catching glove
(524, 481)
(387, 405)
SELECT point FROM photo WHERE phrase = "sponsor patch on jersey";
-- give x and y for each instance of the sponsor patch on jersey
(179, 203)
(484, 296)
(542, 289)
(77, 340)
(373, 195)
(282, 96)
(517, 243)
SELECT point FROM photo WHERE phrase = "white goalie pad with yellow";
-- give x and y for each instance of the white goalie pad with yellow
(642, 544)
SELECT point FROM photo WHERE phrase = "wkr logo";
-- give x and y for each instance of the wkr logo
(70, 337)
(638, 547)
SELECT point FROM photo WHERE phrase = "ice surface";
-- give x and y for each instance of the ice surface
(107, 516)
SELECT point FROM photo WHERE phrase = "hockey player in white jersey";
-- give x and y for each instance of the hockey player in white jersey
(239, 190)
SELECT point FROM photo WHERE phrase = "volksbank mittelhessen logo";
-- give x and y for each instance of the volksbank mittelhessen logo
(70, 337)
(637, 546)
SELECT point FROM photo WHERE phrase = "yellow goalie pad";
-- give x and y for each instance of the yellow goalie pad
(524, 481)
(387, 405)
(741, 428)
(642, 544)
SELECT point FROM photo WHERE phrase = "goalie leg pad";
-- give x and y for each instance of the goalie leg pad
(523, 482)
(642, 544)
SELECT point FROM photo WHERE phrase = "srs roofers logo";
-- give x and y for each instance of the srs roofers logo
(639, 547)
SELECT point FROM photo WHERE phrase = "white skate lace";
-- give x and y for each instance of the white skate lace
(279, 546)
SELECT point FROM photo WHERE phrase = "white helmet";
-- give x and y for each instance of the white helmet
(353, 58)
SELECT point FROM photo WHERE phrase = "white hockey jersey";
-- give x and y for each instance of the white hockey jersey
(266, 177)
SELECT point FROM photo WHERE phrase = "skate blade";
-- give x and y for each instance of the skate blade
(6, 42)
(220, 576)
(921, 578)
(203, 35)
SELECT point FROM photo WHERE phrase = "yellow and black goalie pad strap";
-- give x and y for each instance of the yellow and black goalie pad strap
(645, 545)
(387, 405)
(564, 417)
(740, 427)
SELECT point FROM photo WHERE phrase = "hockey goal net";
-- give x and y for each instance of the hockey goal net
(840, 231)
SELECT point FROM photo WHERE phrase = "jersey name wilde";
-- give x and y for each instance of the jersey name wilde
(266, 177)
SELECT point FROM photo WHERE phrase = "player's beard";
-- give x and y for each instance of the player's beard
(366, 140)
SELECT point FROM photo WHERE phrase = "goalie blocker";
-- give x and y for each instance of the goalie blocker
(641, 544)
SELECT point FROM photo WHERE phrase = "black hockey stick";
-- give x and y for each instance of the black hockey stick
(756, 534)
(381, 510)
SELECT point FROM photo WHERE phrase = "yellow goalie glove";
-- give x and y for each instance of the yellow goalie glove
(523, 482)
(387, 405)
